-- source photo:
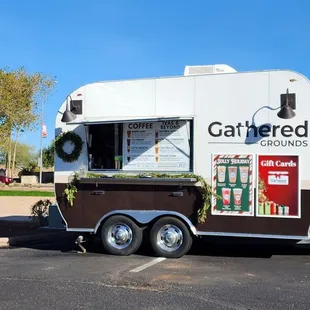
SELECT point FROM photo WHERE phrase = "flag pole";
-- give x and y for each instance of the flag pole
(41, 142)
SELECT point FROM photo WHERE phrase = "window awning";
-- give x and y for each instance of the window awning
(111, 120)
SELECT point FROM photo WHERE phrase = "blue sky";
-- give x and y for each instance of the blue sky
(86, 41)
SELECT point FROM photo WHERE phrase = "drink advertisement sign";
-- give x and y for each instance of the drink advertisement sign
(278, 186)
(156, 146)
(232, 179)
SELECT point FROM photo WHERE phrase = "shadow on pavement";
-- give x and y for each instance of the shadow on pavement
(10, 228)
(225, 247)
(237, 247)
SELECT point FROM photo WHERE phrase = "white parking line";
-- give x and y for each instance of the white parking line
(149, 264)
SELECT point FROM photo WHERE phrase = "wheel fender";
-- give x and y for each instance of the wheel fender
(145, 217)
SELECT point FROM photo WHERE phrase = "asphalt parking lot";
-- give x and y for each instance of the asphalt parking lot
(210, 277)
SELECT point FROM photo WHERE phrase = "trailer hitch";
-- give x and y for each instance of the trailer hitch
(79, 241)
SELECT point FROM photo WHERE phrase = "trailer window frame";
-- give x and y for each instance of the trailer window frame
(191, 123)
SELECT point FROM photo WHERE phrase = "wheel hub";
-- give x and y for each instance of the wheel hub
(120, 236)
(170, 238)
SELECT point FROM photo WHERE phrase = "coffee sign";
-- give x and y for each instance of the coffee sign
(232, 179)
(156, 146)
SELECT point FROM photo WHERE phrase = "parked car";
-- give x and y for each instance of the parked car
(5, 179)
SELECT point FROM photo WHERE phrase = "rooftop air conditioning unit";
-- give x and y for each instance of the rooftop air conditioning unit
(208, 69)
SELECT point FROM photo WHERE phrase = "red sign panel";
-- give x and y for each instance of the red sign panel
(278, 189)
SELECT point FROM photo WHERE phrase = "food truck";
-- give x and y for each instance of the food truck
(213, 152)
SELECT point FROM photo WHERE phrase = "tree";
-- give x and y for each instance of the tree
(2, 157)
(25, 155)
(48, 155)
(20, 95)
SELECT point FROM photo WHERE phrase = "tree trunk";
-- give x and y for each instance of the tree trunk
(10, 157)
(14, 152)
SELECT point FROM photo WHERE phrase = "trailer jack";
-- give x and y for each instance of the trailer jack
(79, 241)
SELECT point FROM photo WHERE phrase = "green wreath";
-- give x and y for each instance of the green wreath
(73, 138)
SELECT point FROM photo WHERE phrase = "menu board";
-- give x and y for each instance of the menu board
(156, 146)
(232, 180)
(278, 186)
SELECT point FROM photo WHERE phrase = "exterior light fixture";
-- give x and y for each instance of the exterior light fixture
(286, 111)
(68, 116)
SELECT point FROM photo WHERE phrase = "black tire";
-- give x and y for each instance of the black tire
(159, 247)
(107, 239)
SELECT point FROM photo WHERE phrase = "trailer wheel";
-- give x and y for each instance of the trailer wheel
(170, 237)
(121, 236)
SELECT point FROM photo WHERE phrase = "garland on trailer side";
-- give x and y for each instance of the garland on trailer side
(207, 192)
(71, 190)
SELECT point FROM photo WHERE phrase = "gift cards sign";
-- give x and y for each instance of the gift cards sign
(278, 189)
(232, 180)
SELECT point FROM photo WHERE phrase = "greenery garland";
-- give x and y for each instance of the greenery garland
(73, 138)
(207, 192)
(71, 190)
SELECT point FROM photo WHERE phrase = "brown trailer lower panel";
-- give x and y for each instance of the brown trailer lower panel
(95, 199)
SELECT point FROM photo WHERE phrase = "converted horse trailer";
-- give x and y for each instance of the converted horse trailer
(215, 152)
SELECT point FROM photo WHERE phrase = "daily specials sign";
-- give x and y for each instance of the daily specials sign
(278, 186)
(156, 146)
(232, 179)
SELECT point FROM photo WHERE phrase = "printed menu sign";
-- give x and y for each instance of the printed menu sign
(278, 186)
(156, 146)
(232, 179)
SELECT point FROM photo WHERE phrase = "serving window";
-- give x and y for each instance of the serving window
(141, 146)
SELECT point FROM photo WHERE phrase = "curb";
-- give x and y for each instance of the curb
(34, 239)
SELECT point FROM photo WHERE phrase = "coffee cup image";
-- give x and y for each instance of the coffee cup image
(226, 196)
(221, 174)
(244, 174)
(237, 196)
(232, 173)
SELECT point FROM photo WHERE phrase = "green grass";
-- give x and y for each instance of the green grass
(27, 193)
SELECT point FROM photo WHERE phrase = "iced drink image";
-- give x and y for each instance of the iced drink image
(237, 196)
(128, 133)
(156, 134)
(221, 172)
(244, 174)
(226, 196)
(156, 150)
(232, 174)
(128, 159)
(156, 159)
(128, 149)
(128, 142)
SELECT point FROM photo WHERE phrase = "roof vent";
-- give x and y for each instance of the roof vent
(208, 69)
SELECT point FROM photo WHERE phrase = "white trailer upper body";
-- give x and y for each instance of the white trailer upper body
(224, 112)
